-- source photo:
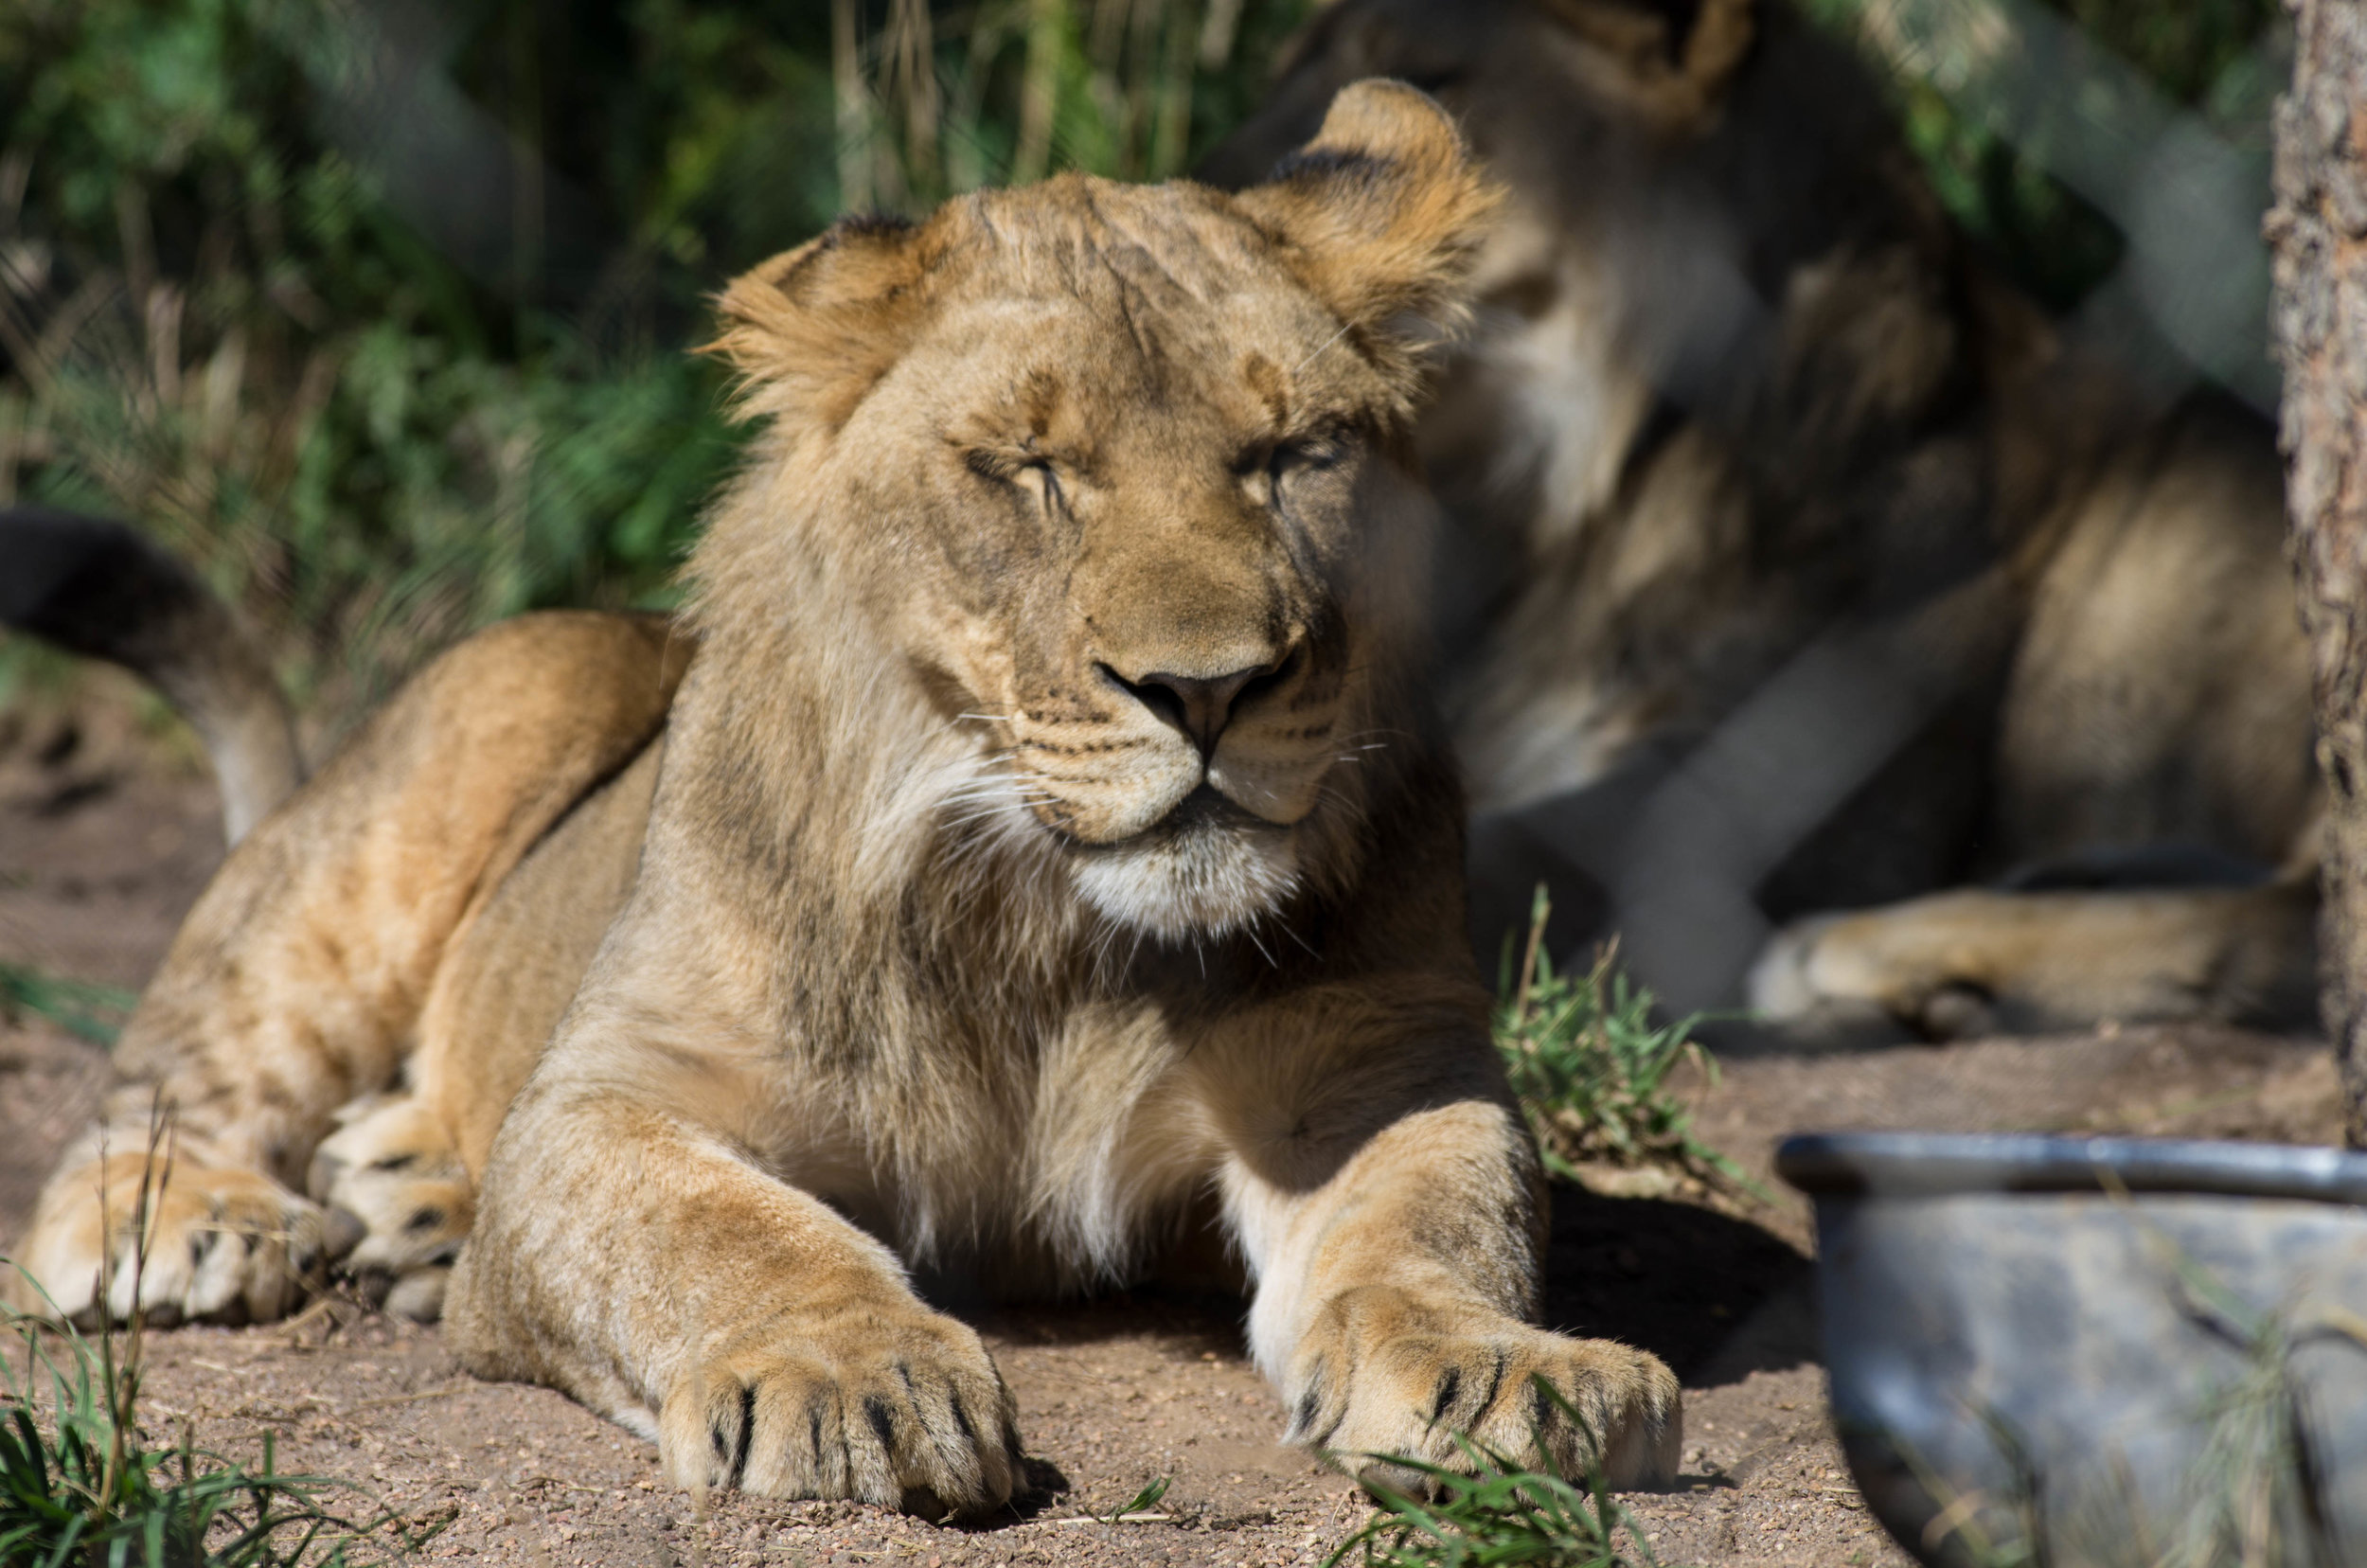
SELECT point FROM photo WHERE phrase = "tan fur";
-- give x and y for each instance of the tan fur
(1050, 834)
(298, 981)
(1739, 410)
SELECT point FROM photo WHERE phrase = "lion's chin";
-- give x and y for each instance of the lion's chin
(1197, 874)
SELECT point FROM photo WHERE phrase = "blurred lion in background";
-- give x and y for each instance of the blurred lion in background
(1816, 622)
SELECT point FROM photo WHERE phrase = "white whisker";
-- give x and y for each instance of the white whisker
(1320, 348)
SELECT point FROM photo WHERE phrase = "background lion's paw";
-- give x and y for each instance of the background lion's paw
(1381, 1377)
(1928, 965)
(400, 1203)
(223, 1246)
(902, 1408)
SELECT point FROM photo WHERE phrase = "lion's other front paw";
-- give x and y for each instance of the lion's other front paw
(223, 1246)
(897, 1406)
(1381, 1376)
(400, 1203)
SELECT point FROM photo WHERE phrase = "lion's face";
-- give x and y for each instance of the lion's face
(1159, 552)
(1118, 473)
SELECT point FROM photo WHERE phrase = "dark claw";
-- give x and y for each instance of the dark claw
(735, 1448)
(1380, 1476)
(1449, 1386)
(321, 1176)
(1495, 1386)
(343, 1232)
(882, 1421)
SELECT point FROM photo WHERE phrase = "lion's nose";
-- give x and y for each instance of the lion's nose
(1201, 706)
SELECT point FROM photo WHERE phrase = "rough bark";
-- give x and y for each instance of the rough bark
(2317, 231)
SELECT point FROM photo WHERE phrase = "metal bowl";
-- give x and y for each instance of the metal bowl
(2096, 1350)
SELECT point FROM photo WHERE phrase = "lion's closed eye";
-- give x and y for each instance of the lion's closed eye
(1019, 468)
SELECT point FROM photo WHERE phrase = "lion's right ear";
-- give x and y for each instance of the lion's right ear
(1380, 213)
(810, 330)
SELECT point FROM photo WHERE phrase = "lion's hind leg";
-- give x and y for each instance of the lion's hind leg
(208, 1245)
(299, 979)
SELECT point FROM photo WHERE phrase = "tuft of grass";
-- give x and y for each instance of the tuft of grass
(1592, 1073)
(1502, 1515)
(1144, 1500)
(92, 1012)
(84, 1485)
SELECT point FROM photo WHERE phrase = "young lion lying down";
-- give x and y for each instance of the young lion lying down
(1048, 841)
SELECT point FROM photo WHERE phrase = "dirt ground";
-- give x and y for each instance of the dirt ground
(103, 846)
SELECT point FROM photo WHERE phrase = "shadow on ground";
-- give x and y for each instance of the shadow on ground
(1715, 1298)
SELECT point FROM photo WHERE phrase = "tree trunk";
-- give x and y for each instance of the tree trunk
(2319, 231)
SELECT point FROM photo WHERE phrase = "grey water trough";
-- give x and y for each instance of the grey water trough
(2056, 1351)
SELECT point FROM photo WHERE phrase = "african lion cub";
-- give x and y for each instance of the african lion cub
(1049, 835)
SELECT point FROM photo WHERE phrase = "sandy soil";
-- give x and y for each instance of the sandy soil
(101, 848)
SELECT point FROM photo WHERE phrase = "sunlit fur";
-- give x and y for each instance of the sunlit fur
(941, 938)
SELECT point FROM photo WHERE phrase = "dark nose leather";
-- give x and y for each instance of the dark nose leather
(1199, 707)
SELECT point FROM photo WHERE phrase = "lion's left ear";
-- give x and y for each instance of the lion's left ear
(1382, 212)
(810, 330)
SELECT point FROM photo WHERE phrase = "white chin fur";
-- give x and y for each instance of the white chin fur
(1202, 881)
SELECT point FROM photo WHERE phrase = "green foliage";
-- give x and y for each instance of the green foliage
(1592, 1071)
(2218, 58)
(1501, 1515)
(83, 1484)
(2188, 49)
(93, 1012)
(378, 313)
(87, 1490)
(1144, 1500)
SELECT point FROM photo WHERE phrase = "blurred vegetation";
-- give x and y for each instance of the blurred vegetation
(376, 308)
(2225, 60)
(95, 1013)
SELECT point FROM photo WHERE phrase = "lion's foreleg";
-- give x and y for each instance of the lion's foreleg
(640, 1261)
(1393, 1303)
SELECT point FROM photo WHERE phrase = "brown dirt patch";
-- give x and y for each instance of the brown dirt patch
(98, 857)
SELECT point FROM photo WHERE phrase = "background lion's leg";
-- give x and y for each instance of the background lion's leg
(1959, 964)
(297, 982)
(1396, 1279)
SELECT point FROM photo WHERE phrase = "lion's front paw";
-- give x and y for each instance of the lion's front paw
(400, 1203)
(897, 1406)
(1381, 1375)
(222, 1246)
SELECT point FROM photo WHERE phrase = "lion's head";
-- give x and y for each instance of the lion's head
(1117, 475)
